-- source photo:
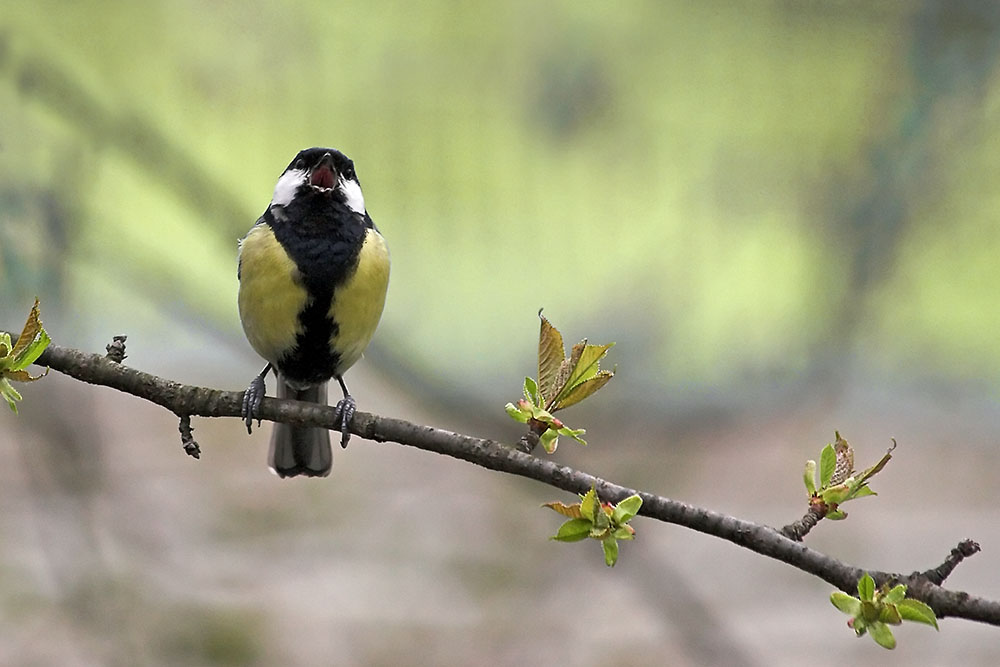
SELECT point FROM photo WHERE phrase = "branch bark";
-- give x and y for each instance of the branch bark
(187, 401)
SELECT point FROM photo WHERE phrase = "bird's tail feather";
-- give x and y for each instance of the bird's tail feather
(301, 450)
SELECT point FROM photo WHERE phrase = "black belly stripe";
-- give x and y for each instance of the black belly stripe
(312, 360)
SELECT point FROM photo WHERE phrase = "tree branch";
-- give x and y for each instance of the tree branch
(186, 401)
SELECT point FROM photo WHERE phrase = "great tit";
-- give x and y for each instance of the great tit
(313, 275)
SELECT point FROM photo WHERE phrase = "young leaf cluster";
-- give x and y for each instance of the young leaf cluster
(836, 481)
(599, 521)
(873, 611)
(562, 381)
(15, 358)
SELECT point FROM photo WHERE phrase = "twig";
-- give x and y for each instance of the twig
(191, 447)
(937, 575)
(799, 529)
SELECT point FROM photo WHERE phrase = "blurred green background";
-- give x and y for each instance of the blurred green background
(785, 213)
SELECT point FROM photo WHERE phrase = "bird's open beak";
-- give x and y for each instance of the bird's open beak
(323, 174)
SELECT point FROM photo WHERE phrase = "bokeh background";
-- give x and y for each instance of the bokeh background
(784, 213)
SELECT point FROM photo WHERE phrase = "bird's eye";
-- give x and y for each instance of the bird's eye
(300, 164)
(349, 172)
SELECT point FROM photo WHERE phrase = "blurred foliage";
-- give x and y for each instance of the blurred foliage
(748, 192)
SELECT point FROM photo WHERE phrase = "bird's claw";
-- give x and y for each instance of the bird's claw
(252, 399)
(344, 413)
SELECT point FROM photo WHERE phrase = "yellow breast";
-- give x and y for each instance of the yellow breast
(357, 304)
(270, 297)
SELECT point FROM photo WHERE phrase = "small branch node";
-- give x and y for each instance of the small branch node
(116, 349)
(191, 447)
(528, 442)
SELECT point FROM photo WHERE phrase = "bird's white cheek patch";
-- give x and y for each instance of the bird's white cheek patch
(287, 185)
(352, 196)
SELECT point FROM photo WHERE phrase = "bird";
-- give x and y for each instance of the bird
(313, 274)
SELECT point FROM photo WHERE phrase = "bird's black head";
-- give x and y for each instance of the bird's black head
(323, 171)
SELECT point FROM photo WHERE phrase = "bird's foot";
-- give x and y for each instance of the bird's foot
(252, 398)
(345, 410)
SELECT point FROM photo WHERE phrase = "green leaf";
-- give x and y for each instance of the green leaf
(24, 376)
(549, 440)
(915, 610)
(571, 511)
(897, 594)
(623, 533)
(889, 615)
(882, 635)
(875, 469)
(835, 494)
(866, 588)
(590, 505)
(848, 604)
(9, 393)
(551, 353)
(809, 477)
(585, 389)
(30, 353)
(15, 357)
(860, 492)
(573, 530)
(836, 515)
(31, 343)
(531, 391)
(869, 611)
(573, 433)
(588, 361)
(827, 464)
(517, 415)
(610, 545)
(602, 522)
(584, 364)
(542, 415)
(626, 509)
